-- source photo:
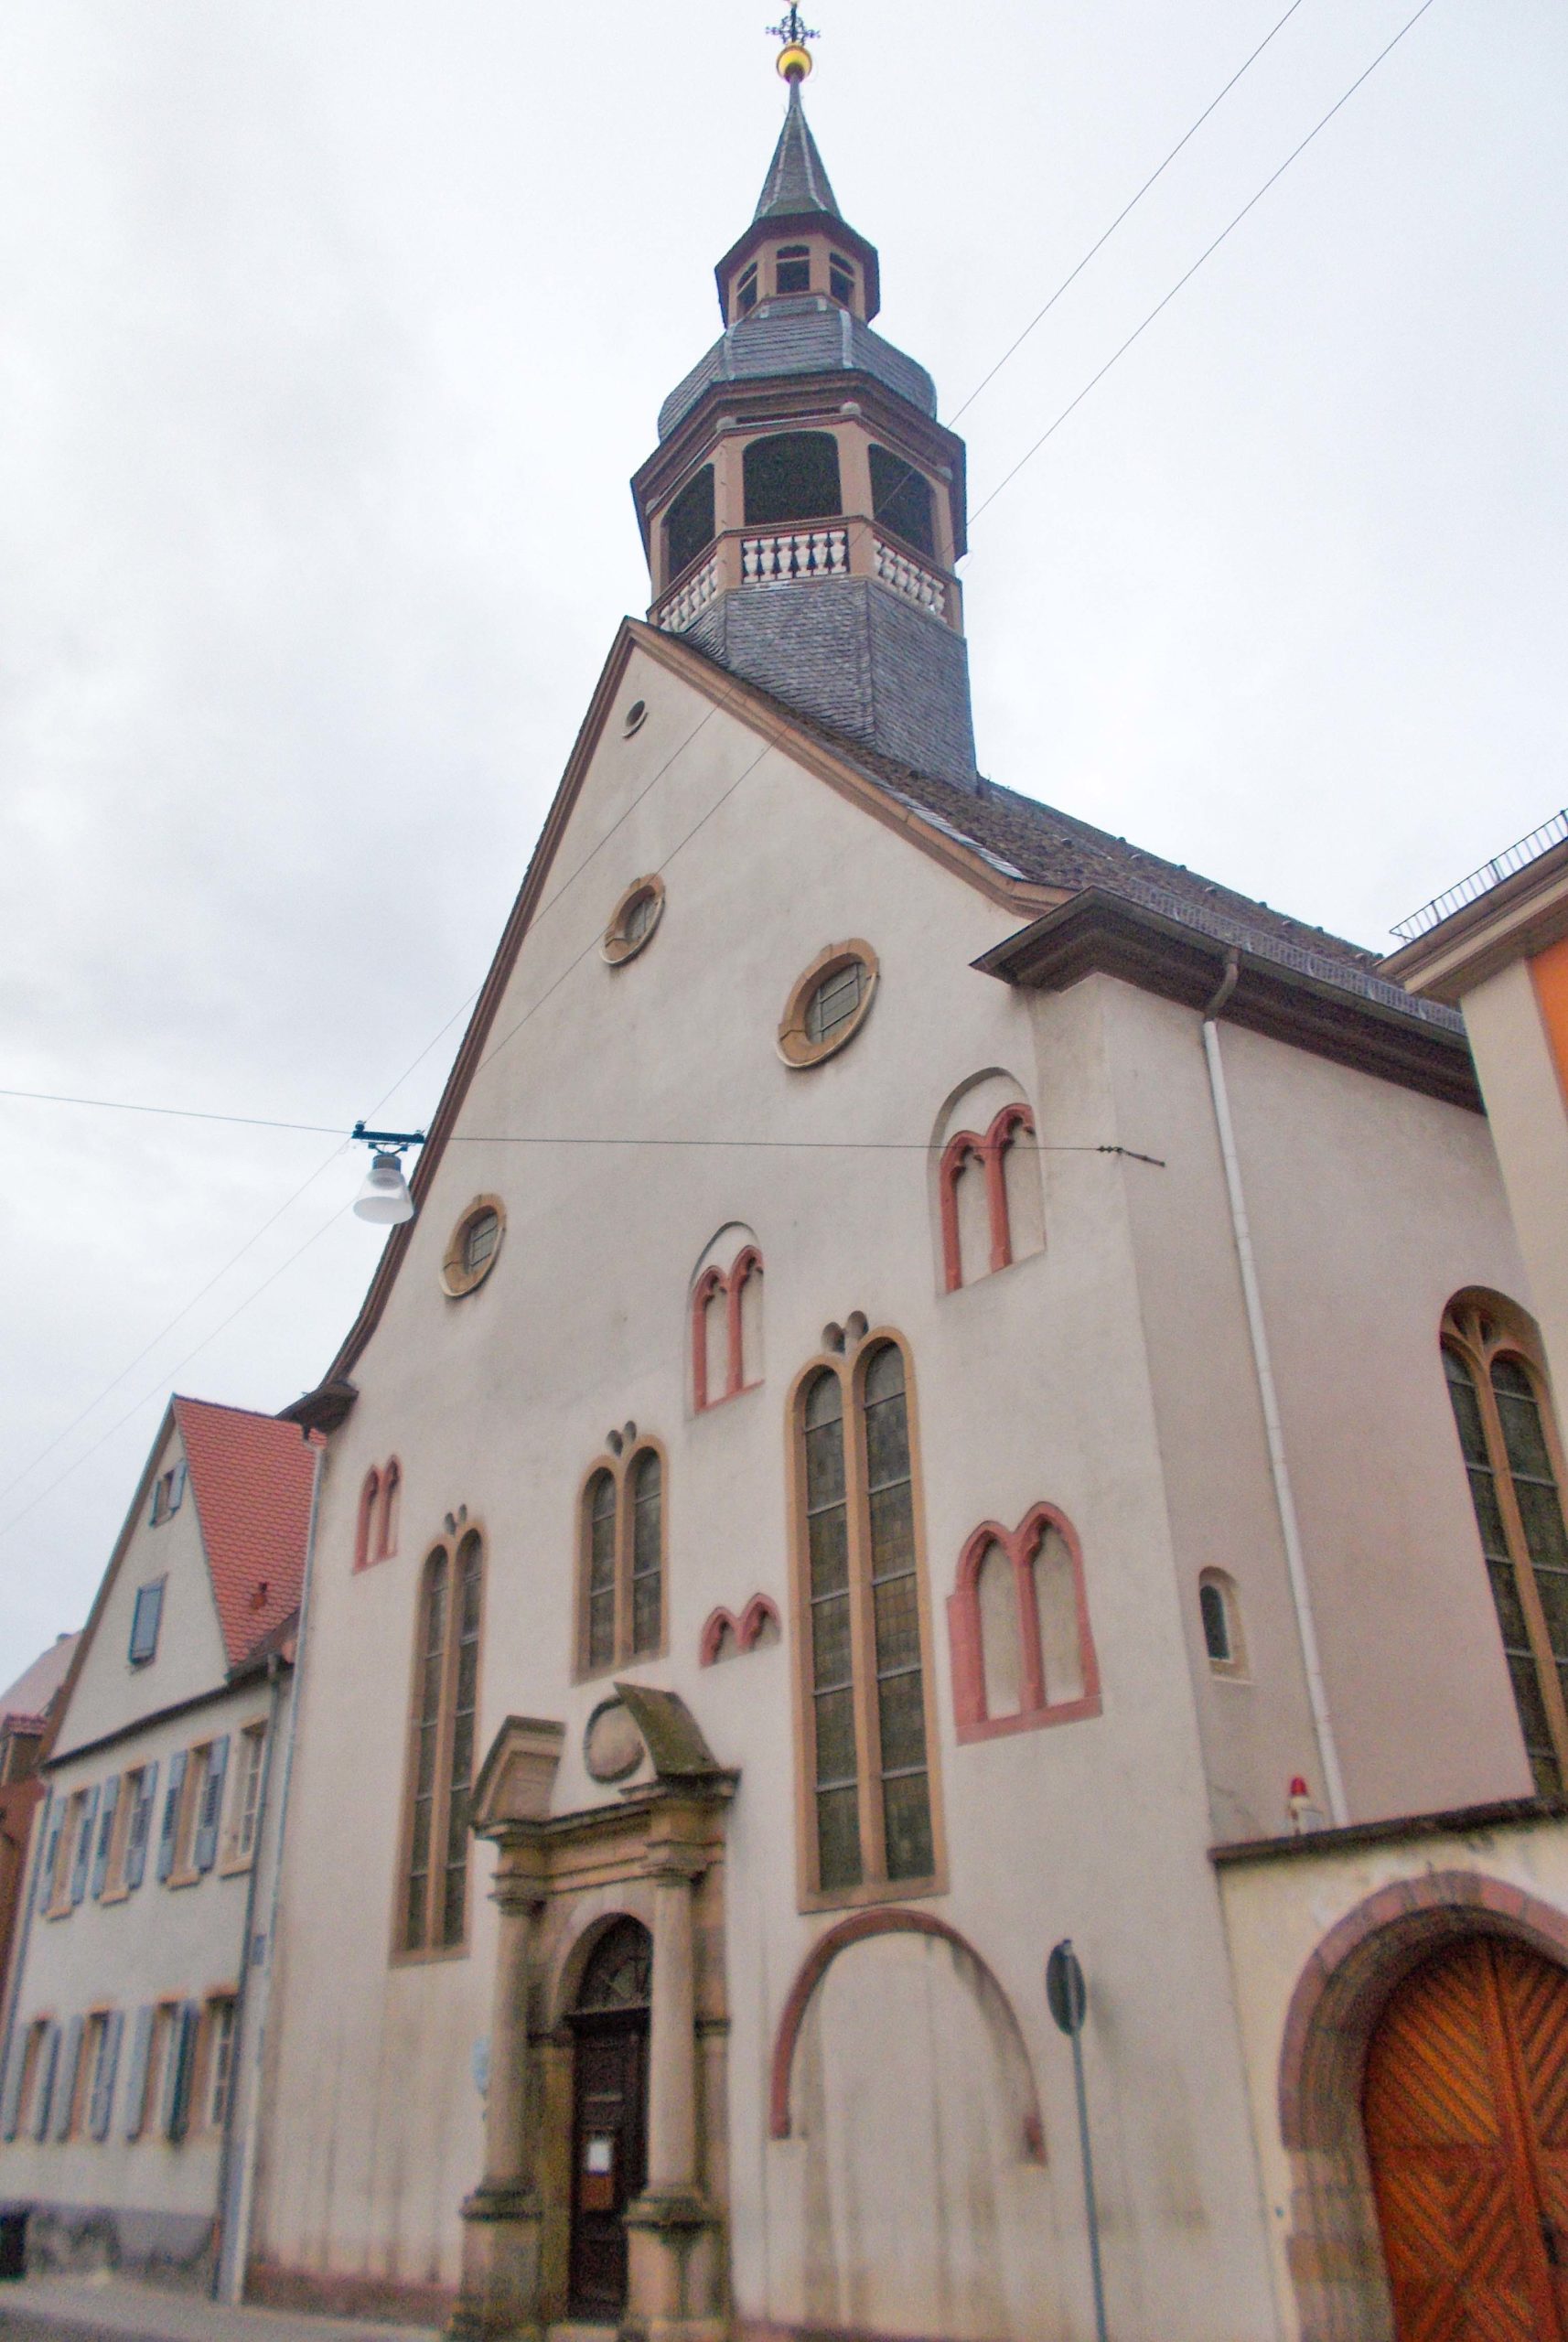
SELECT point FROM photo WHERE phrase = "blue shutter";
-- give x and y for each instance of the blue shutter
(176, 1487)
(211, 1804)
(181, 2071)
(65, 2080)
(141, 1827)
(106, 1835)
(136, 2078)
(177, 1764)
(43, 2097)
(83, 1851)
(50, 1845)
(16, 2068)
(104, 2078)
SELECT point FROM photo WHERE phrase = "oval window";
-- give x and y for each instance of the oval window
(829, 1004)
(474, 1244)
(633, 920)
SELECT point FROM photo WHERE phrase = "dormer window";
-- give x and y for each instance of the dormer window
(840, 278)
(792, 270)
(745, 291)
(167, 1490)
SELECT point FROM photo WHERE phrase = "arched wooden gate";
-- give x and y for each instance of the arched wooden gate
(1466, 2103)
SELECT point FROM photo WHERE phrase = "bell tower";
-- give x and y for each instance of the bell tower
(804, 514)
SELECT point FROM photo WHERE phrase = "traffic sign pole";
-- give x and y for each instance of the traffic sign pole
(1068, 1996)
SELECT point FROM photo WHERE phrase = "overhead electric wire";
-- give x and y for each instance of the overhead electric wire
(771, 742)
(1127, 209)
(1207, 252)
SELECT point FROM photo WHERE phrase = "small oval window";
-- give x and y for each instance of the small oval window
(636, 716)
(473, 1246)
(633, 920)
(829, 1004)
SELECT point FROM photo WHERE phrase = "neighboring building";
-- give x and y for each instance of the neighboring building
(1496, 945)
(950, 1450)
(24, 1723)
(118, 2127)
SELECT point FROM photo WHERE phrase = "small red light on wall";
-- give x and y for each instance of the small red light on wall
(1298, 1787)
(1304, 1814)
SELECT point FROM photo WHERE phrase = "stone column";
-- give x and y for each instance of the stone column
(672, 2231)
(500, 2293)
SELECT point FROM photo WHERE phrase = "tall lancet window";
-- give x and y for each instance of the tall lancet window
(866, 1727)
(1496, 1386)
(434, 1907)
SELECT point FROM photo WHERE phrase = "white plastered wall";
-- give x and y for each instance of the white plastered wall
(500, 1400)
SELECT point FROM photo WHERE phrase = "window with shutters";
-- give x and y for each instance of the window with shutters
(109, 1834)
(168, 1491)
(871, 1823)
(138, 2071)
(65, 1860)
(138, 1802)
(179, 2030)
(67, 2079)
(621, 1558)
(1509, 1438)
(22, 2077)
(433, 1897)
(146, 1620)
(41, 2105)
(1023, 1654)
(199, 1804)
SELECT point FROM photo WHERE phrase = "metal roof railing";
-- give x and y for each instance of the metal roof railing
(1480, 882)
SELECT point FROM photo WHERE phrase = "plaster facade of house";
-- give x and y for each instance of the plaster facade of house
(1095, 1233)
(122, 2115)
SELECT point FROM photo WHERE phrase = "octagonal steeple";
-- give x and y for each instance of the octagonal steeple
(803, 513)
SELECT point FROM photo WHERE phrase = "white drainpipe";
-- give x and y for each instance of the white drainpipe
(1290, 1528)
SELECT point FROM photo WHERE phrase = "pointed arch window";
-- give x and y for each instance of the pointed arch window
(867, 1722)
(1023, 1652)
(727, 1327)
(433, 1915)
(1502, 1410)
(989, 1186)
(621, 1560)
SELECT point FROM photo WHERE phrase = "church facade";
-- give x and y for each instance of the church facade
(939, 1396)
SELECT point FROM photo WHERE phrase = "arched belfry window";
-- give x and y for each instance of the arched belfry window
(791, 476)
(620, 1559)
(901, 500)
(1502, 1409)
(689, 523)
(432, 1913)
(865, 1710)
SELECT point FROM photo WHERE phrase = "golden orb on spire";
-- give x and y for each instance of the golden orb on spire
(794, 59)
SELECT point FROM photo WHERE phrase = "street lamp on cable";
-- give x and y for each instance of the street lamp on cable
(385, 1198)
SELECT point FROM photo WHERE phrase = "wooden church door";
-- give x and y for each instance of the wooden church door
(1465, 2104)
(609, 2115)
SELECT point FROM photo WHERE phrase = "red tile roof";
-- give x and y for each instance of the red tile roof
(252, 1476)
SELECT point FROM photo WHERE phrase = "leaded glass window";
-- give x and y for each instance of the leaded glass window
(868, 1765)
(647, 1552)
(1499, 1410)
(441, 1754)
(601, 1649)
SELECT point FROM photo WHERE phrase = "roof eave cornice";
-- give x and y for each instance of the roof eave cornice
(1097, 933)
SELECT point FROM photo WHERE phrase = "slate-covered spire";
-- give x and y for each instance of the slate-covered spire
(797, 182)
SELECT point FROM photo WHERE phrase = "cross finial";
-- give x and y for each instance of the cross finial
(794, 57)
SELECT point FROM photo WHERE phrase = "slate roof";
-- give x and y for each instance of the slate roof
(798, 333)
(26, 1704)
(796, 179)
(1027, 839)
(252, 1476)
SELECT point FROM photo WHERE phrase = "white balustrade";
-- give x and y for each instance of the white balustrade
(910, 578)
(691, 599)
(785, 560)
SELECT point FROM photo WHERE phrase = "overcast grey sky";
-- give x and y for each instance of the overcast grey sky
(333, 333)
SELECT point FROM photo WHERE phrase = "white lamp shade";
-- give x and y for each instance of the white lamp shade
(385, 1198)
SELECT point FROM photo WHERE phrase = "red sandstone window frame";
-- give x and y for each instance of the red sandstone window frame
(746, 1632)
(376, 1523)
(874, 1886)
(622, 1471)
(432, 1944)
(990, 1151)
(971, 1716)
(731, 1283)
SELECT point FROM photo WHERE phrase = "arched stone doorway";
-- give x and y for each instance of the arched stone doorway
(1337, 2253)
(609, 2114)
(1465, 2105)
